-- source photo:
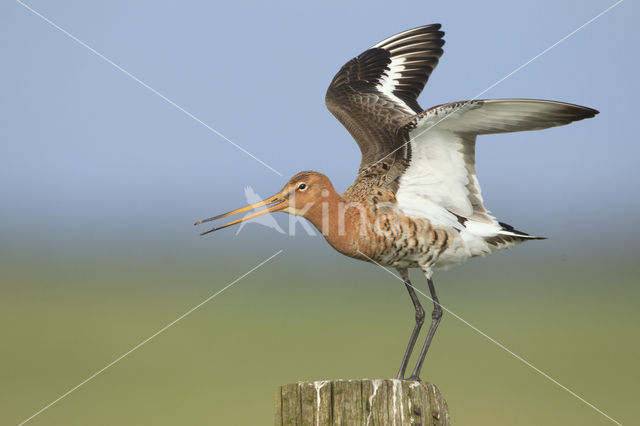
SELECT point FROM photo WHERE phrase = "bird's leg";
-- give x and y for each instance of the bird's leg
(435, 320)
(416, 328)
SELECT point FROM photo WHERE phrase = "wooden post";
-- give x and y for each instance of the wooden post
(360, 402)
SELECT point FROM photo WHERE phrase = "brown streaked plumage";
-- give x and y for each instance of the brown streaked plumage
(416, 201)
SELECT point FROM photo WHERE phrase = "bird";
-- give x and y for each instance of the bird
(416, 200)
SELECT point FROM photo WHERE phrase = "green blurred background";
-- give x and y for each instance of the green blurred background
(101, 180)
(309, 317)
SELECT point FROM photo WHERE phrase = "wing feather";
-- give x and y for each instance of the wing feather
(440, 181)
(375, 93)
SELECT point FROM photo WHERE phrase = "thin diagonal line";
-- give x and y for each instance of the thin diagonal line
(500, 81)
(148, 339)
(548, 49)
(145, 85)
(501, 346)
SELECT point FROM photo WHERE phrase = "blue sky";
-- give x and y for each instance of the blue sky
(87, 152)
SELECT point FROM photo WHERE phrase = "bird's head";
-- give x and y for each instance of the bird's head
(297, 197)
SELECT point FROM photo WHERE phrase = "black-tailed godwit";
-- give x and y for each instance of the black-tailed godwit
(416, 201)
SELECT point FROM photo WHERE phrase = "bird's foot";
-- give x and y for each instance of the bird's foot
(400, 376)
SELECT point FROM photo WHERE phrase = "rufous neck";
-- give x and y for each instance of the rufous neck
(335, 219)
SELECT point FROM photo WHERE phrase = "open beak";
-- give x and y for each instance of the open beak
(275, 203)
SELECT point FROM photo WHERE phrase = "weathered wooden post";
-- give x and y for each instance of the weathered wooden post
(360, 402)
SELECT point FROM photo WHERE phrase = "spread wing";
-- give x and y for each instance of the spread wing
(440, 181)
(375, 93)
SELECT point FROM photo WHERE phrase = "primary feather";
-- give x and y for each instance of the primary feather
(426, 159)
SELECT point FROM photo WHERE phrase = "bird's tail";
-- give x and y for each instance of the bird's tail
(508, 237)
(508, 230)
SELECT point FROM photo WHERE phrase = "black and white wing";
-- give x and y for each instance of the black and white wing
(440, 181)
(374, 94)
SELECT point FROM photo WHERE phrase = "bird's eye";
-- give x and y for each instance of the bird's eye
(302, 186)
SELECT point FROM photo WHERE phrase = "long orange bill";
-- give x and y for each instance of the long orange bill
(277, 203)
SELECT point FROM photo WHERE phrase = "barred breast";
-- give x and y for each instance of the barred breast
(391, 238)
(399, 241)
